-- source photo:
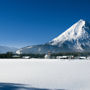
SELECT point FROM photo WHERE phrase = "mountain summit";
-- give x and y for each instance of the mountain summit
(74, 39)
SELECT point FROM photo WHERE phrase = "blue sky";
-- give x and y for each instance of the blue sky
(28, 22)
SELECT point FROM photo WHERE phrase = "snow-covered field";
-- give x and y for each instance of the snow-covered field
(44, 73)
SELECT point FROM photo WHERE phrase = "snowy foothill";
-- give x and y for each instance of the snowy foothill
(46, 73)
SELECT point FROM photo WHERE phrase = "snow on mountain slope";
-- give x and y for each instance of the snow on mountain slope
(76, 37)
(38, 49)
(74, 32)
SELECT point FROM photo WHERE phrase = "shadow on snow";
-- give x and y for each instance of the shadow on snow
(14, 86)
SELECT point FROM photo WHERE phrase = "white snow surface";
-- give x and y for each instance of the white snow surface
(47, 73)
(74, 32)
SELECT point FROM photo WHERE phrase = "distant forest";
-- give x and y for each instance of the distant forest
(75, 54)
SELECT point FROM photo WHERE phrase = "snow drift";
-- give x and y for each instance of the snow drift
(45, 73)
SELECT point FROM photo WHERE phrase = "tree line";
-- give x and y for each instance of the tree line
(75, 54)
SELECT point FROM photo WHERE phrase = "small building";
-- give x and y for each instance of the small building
(48, 56)
(26, 57)
(82, 57)
(71, 57)
(16, 56)
(65, 57)
(62, 57)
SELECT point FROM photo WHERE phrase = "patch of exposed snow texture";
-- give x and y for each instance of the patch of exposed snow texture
(45, 73)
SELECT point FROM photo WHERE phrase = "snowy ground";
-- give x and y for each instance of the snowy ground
(44, 73)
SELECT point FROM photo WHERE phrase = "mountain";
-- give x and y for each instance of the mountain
(5, 49)
(38, 49)
(74, 39)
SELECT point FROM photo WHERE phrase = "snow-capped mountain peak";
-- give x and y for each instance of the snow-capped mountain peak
(76, 31)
